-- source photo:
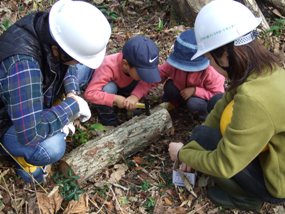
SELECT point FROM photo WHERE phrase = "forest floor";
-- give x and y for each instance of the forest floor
(143, 181)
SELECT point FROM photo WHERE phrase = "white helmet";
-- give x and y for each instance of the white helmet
(81, 30)
(221, 22)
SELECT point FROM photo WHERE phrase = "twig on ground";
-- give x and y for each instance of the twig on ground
(122, 187)
(117, 202)
(103, 204)
(195, 211)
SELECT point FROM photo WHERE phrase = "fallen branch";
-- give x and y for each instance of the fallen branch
(121, 142)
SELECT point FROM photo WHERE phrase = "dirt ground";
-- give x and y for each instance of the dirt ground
(144, 184)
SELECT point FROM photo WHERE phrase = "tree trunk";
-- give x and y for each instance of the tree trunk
(252, 5)
(185, 11)
(279, 4)
(123, 141)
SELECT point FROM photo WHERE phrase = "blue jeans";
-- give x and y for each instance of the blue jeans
(46, 152)
(197, 106)
(50, 149)
(106, 114)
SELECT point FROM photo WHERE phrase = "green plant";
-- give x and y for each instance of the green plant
(278, 27)
(145, 185)
(68, 186)
(5, 24)
(160, 25)
(123, 200)
(149, 203)
(110, 14)
(102, 191)
(81, 137)
(97, 127)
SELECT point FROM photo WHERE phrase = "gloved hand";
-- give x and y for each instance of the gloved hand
(68, 128)
(84, 111)
(206, 136)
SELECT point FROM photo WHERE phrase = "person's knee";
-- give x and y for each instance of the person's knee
(111, 88)
(212, 102)
(49, 151)
(195, 104)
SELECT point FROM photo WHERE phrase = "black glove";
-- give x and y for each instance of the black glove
(206, 136)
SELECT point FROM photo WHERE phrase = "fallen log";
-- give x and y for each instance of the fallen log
(123, 141)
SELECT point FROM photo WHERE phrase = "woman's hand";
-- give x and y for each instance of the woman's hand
(184, 168)
(173, 150)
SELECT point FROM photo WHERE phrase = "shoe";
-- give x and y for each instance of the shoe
(39, 175)
(29, 172)
(222, 198)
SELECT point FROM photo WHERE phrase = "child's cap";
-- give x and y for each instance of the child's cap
(143, 54)
(185, 47)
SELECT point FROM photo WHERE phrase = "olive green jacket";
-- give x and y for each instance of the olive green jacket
(258, 120)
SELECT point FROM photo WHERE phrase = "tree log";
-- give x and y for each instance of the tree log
(123, 141)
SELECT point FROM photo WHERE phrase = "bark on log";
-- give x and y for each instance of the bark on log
(123, 141)
(252, 5)
(186, 11)
(279, 4)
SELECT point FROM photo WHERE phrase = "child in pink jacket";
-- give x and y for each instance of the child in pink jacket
(123, 78)
(190, 82)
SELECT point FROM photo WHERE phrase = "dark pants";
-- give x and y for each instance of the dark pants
(106, 114)
(197, 106)
(250, 179)
(212, 102)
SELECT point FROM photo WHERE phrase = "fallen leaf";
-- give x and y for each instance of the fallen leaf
(79, 207)
(120, 170)
(138, 160)
(50, 203)
(168, 201)
(279, 210)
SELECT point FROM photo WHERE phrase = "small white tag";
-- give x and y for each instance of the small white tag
(177, 180)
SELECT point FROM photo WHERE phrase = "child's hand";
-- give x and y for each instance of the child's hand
(173, 150)
(187, 92)
(130, 102)
(119, 101)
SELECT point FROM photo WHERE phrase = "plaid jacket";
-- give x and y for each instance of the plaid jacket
(29, 107)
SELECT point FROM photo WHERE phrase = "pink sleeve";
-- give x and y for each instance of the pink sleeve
(142, 89)
(213, 83)
(94, 92)
(165, 70)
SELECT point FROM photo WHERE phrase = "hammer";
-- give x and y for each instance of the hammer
(145, 106)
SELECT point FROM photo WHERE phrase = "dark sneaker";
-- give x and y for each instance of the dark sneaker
(221, 198)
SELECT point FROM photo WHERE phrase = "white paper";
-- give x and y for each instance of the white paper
(177, 180)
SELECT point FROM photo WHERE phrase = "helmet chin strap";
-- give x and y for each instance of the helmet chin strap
(247, 38)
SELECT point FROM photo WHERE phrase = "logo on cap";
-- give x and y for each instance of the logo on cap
(152, 60)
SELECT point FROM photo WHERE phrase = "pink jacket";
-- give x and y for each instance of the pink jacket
(207, 83)
(111, 70)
